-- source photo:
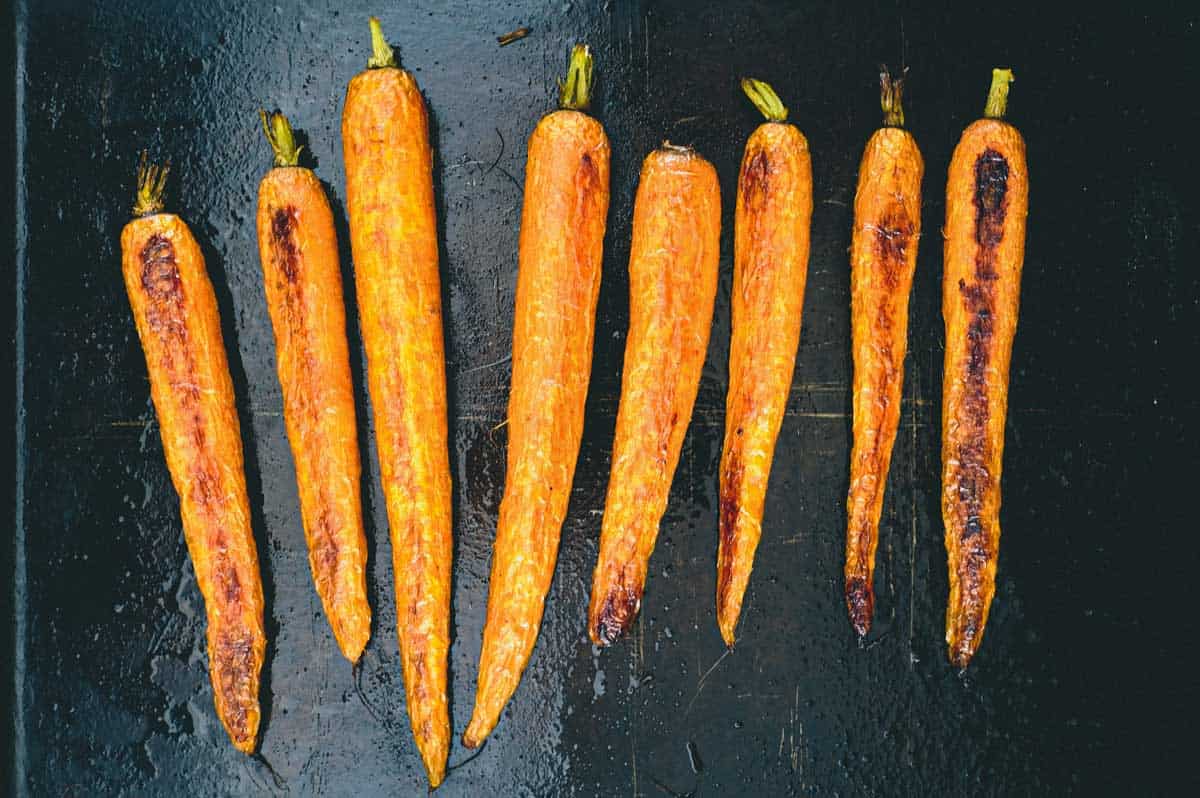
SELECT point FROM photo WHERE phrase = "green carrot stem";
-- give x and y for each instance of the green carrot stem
(279, 135)
(151, 182)
(765, 100)
(997, 101)
(382, 54)
(575, 93)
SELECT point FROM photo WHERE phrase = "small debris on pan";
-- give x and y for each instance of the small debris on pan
(509, 38)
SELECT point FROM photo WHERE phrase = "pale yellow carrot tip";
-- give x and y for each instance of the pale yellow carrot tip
(890, 90)
(151, 183)
(997, 101)
(575, 93)
(279, 135)
(382, 54)
(765, 99)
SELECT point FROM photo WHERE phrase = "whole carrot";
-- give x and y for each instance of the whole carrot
(672, 284)
(987, 198)
(303, 283)
(883, 256)
(558, 281)
(770, 267)
(176, 315)
(393, 235)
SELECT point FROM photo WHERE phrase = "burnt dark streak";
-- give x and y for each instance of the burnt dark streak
(165, 313)
(730, 509)
(288, 261)
(972, 478)
(620, 606)
(166, 309)
(860, 599)
(233, 658)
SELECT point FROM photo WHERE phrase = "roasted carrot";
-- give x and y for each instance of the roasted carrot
(987, 197)
(393, 236)
(558, 281)
(770, 267)
(672, 284)
(176, 315)
(303, 283)
(883, 256)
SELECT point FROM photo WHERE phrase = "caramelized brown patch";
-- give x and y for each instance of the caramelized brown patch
(227, 580)
(160, 272)
(893, 234)
(233, 666)
(755, 180)
(283, 237)
(860, 601)
(620, 607)
(730, 508)
(991, 202)
(325, 544)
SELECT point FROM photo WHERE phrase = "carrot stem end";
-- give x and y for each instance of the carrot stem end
(575, 92)
(151, 183)
(997, 101)
(279, 135)
(382, 54)
(890, 91)
(765, 99)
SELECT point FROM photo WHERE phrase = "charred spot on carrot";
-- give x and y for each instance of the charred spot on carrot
(283, 230)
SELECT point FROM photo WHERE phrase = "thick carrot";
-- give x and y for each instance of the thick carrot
(303, 283)
(558, 281)
(770, 267)
(883, 256)
(672, 284)
(393, 234)
(176, 315)
(987, 198)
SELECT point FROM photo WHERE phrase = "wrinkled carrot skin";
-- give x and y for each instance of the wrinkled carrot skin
(393, 234)
(303, 284)
(177, 321)
(987, 197)
(558, 282)
(672, 285)
(883, 257)
(770, 268)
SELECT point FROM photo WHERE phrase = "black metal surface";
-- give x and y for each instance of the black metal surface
(1082, 683)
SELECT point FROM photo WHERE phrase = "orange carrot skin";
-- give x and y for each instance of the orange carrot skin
(771, 245)
(883, 257)
(393, 232)
(673, 266)
(303, 284)
(558, 282)
(180, 330)
(987, 198)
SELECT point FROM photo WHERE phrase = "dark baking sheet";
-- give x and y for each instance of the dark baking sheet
(1073, 690)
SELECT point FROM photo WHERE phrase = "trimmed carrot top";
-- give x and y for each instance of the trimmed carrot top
(279, 134)
(575, 92)
(765, 99)
(151, 183)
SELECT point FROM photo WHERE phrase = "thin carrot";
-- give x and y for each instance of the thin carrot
(176, 315)
(558, 281)
(987, 198)
(303, 284)
(883, 256)
(393, 235)
(770, 268)
(672, 284)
